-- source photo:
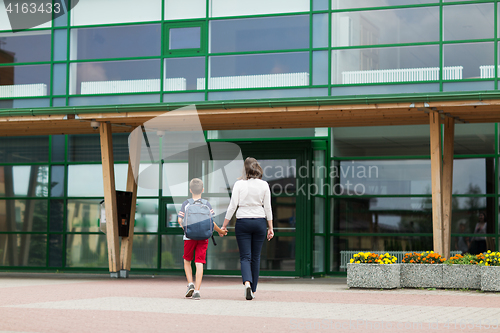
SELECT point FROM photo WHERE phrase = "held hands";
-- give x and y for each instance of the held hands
(223, 233)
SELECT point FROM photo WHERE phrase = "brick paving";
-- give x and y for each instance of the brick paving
(96, 303)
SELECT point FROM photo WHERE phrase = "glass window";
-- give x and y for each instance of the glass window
(83, 215)
(172, 249)
(55, 250)
(378, 26)
(87, 147)
(259, 34)
(280, 174)
(115, 77)
(86, 250)
(268, 93)
(320, 67)
(175, 179)
(319, 254)
(145, 251)
(171, 215)
(381, 141)
(474, 176)
(116, 42)
(33, 149)
(56, 215)
(114, 100)
(474, 139)
(19, 46)
(320, 4)
(86, 180)
(401, 177)
(257, 7)
(184, 74)
(149, 180)
(59, 79)
(382, 215)
(470, 60)
(474, 21)
(23, 215)
(184, 38)
(320, 30)
(284, 213)
(263, 133)
(186, 9)
(60, 45)
(23, 250)
(24, 81)
(57, 181)
(259, 70)
(91, 12)
(345, 4)
(388, 64)
(146, 216)
(24, 181)
(319, 215)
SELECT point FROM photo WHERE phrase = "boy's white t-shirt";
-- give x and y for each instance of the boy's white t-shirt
(252, 197)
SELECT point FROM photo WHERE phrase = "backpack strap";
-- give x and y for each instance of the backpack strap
(213, 240)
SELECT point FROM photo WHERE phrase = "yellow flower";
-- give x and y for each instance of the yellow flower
(489, 251)
(358, 262)
(352, 260)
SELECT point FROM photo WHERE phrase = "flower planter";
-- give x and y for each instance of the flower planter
(490, 278)
(462, 276)
(373, 276)
(421, 275)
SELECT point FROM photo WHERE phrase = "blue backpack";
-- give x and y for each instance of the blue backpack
(198, 223)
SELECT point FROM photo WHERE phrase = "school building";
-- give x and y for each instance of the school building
(375, 122)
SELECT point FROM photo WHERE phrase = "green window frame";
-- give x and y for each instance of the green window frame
(185, 51)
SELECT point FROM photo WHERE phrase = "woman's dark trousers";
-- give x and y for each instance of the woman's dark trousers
(250, 235)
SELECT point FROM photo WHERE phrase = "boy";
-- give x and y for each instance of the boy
(198, 246)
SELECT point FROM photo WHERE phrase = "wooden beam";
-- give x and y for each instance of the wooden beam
(436, 178)
(108, 175)
(127, 242)
(449, 133)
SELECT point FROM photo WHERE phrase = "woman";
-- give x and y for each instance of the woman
(252, 197)
(478, 244)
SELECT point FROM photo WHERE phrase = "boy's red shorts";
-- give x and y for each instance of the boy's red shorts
(198, 246)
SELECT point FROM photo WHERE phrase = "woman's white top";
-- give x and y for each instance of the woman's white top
(252, 197)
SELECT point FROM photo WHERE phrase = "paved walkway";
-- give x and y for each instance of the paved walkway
(97, 303)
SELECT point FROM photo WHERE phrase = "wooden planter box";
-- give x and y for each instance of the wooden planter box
(373, 276)
(462, 276)
(421, 275)
(490, 278)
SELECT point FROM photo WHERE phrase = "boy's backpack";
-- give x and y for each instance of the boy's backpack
(198, 223)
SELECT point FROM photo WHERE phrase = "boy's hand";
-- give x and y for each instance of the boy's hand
(223, 233)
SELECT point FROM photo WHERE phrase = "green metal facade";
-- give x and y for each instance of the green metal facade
(219, 53)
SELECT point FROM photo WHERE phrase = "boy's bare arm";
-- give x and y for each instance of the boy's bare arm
(179, 220)
(219, 230)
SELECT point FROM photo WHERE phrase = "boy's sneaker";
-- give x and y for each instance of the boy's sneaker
(248, 293)
(190, 290)
(196, 296)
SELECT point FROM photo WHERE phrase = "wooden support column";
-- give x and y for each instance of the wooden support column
(127, 242)
(108, 175)
(449, 133)
(436, 178)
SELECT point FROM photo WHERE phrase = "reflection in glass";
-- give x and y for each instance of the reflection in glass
(59, 80)
(86, 251)
(256, 7)
(146, 215)
(462, 22)
(412, 25)
(175, 179)
(266, 133)
(58, 148)
(145, 251)
(171, 215)
(259, 70)
(19, 46)
(56, 221)
(185, 38)
(83, 215)
(260, 34)
(381, 141)
(383, 215)
(24, 181)
(474, 138)
(116, 42)
(23, 250)
(23, 215)
(388, 64)
(172, 250)
(319, 215)
(57, 181)
(474, 176)
(341, 246)
(320, 5)
(184, 73)
(24, 81)
(381, 177)
(280, 174)
(85, 180)
(87, 147)
(320, 67)
(60, 45)
(319, 254)
(319, 171)
(33, 149)
(55, 250)
(127, 76)
(476, 59)
(284, 213)
(345, 4)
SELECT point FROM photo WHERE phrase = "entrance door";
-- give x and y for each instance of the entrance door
(283, 255)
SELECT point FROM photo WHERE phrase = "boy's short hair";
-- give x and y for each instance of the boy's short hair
(196, 185)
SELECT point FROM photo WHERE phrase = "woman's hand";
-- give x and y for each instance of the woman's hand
(223, 233)
(270, 234)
